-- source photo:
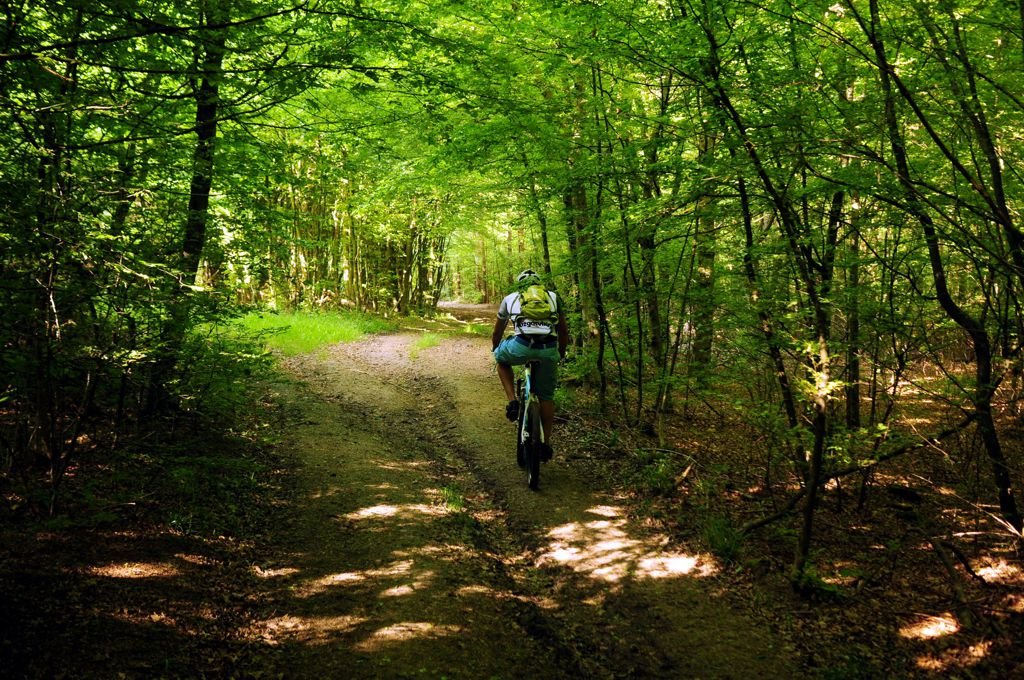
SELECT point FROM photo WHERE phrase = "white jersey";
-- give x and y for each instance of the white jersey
(510, 308)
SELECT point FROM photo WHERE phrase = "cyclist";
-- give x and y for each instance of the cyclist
(535, 338)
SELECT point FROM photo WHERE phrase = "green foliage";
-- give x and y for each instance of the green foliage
(479, 329)
(657, 471)
(714, 192)
(811, 584)
(722, 538)
(424, 341)
(301, 332)
(220, 372)
(453, 498)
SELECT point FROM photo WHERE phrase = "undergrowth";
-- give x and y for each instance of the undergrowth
(294, 333)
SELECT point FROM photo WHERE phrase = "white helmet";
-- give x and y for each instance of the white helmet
(526, 275)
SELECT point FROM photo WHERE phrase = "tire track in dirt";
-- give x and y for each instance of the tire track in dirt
(375, 576)
(631, 603)
(380, 580)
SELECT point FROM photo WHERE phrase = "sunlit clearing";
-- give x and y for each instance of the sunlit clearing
(955, 658)
(136, 570)
(604, 550)
(378, 511)
(931, 627)
(408, 630)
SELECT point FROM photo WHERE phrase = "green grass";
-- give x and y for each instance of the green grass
(452, 498)
(425, 341)
(300, 332)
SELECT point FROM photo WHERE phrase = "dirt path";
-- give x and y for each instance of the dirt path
(418, 551)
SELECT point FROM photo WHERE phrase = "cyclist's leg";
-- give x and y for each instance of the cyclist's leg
(545, 376)
(507, 354)
(508, 381)
(547, 418)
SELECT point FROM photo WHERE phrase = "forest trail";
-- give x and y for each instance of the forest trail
(416, 549)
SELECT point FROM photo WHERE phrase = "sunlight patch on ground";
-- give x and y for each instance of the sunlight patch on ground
(348, 578)
(441, 549)
(410, 588)
(604, 550)
(336, 579)
(467, 591)
(274, 573)
(407, 630)
(136, 617)
(201, 560)
(378, 511)
(999, 571)
(313, 630)
(844, 573)
(930, 627)
(955, 659)
(136, 570)
(400, 467)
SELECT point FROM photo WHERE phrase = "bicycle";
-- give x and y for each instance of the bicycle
(529, 429)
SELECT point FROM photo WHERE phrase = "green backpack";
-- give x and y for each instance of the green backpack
(536, 311)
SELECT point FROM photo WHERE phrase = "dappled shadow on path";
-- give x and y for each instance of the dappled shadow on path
(561, 578)
(604, 548)
(123, 604)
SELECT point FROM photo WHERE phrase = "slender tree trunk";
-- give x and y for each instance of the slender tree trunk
(197, 217)
(975, 330)
(704, 289)
(704, 305)
(541, 214)
(853, 339)
(815, 278)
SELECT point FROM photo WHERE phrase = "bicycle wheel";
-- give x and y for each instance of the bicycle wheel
(533, 445)
(520, 444)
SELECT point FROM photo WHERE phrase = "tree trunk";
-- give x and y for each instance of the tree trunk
(196, 220)
(853, 341)
(979, 337)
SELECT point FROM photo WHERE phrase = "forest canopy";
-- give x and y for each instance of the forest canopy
(807, 207)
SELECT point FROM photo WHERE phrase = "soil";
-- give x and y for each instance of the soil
(418, 550)
(380, 528)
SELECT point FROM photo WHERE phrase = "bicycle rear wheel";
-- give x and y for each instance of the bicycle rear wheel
(520, 443)
(533, 445)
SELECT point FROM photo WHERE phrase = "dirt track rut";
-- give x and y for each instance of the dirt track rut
(417, 550)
